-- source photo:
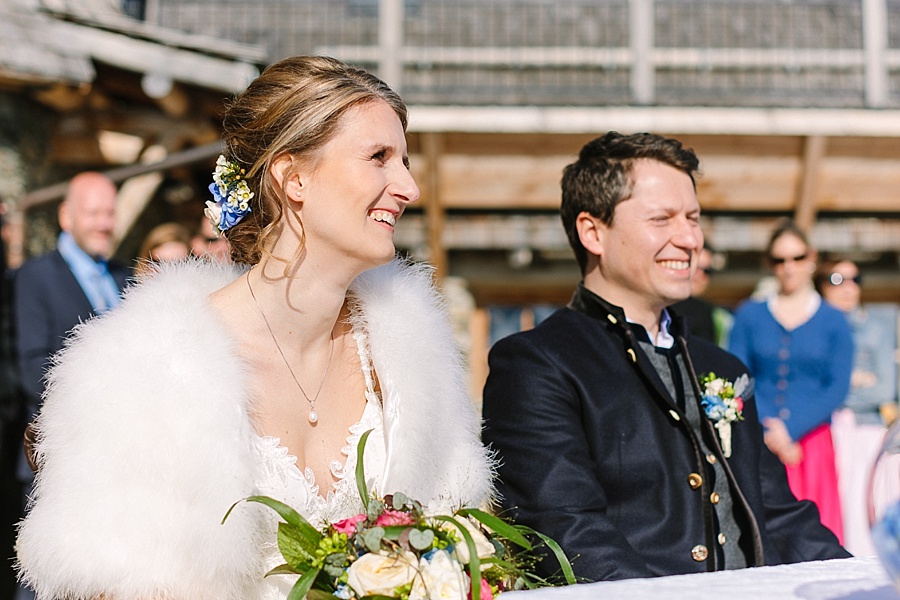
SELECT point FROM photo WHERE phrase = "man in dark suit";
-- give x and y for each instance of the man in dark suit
(597, 414)
(74, 282)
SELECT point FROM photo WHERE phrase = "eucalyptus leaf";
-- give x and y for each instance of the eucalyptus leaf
(303, 585)
(375, 508)
(393, 532)
(334, 564)
(403, 538)
(421, 539)
(372, 538)
(399, 500)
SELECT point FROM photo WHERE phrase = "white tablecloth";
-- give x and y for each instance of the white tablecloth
(846, 579)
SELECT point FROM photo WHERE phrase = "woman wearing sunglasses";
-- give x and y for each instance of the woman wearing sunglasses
(800, 352)
(858, 427)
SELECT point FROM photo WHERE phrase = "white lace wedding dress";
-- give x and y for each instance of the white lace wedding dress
(285, 481)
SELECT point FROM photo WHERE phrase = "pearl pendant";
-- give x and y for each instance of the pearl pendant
(313, 417)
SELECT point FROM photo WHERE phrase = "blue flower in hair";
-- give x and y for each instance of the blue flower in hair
(231, 196)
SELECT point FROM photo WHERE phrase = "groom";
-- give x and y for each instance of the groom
(596, 413)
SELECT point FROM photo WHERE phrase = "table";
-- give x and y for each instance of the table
(843, 579)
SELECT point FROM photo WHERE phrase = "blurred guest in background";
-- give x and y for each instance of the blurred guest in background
(800, 351)
(858, 427)
(56, 291)
(205, 243)
(166, 242)
(706, 320)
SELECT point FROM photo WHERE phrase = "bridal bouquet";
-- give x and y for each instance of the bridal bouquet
(397, 548)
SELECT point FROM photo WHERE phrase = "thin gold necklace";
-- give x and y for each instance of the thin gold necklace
(313, 416)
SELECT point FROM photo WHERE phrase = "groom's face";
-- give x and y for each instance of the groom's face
(650, 249)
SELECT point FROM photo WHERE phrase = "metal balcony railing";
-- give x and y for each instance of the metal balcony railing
(760, 53)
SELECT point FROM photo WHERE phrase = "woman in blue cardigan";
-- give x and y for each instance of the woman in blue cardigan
(800, 352)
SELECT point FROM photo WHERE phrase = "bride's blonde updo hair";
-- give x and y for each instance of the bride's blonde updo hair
(294, 107)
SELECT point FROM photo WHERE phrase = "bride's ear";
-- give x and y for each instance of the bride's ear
(286, 176)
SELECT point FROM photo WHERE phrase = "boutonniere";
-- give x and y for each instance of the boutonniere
(723, 402)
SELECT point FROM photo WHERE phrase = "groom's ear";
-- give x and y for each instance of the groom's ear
(591, 232)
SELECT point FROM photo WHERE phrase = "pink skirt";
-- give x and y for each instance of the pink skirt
(815, 478)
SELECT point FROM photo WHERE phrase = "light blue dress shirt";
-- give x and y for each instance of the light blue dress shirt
(92, 274)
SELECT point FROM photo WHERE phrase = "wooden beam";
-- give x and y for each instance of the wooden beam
(178, 159)
(805, 208)
(63, 97)
(433, 206)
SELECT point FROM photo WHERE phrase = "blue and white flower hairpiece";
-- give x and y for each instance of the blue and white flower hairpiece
(231, 196)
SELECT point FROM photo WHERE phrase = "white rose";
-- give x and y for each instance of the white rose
(440, 579)
(380, 573)
(483, 547)
(715, 387)
(213, 212)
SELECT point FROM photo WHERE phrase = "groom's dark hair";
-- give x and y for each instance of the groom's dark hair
(601, 177)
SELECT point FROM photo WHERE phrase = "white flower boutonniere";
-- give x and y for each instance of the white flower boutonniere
(723, 402)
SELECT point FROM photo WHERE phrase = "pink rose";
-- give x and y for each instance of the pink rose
(740, 403)
(348, 525)
(394, 517)
(486, 593)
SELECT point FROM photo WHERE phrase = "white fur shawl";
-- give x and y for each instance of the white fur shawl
(144, 438)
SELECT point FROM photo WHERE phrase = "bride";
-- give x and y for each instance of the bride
(212, 383)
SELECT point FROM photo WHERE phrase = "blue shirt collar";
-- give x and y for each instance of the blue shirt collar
(664, 338)
(92, 274)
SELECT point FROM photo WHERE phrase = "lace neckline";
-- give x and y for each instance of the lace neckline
(284, 476)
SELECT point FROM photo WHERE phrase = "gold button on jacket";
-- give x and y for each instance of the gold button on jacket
(699, 552)
(714, 497)
(695, 481)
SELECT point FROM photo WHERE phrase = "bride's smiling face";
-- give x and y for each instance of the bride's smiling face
(359, 187)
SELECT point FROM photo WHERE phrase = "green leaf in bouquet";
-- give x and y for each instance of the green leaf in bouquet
(474, 562)
(295, 548)
(375, 508)
(315, 594)
(399, 500)
(286, 512)
(497, 525)
(309, 533)
(361, 470)
(564, 563)
(284, 569)
(303, 585)
(421, 539)
(372, 538)
(499, 548)
(393, 532)
(334, 564)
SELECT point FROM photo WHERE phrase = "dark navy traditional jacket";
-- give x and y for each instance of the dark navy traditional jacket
(596, 453)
